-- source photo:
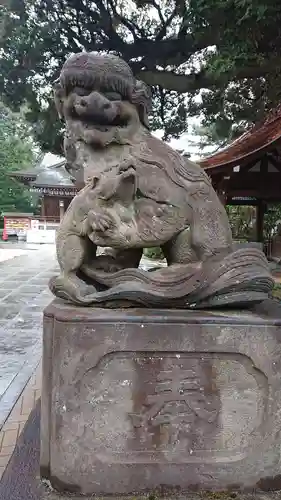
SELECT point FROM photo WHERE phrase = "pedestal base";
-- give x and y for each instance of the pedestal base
(138, 400)
(188, 496)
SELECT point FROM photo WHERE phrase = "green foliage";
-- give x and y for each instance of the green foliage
(153, 253)
(217, 134)
(16, 153)
(217, 58)
(245, 61)
(276, 292)
(272, 218)
(242, 221)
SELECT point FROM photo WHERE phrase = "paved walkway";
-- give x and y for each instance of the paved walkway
(23, 295)
(18, 417)
(24, 275)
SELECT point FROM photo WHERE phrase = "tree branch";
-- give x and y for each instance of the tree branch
(163, 30)
(167, 52)
(158, 8)
(187, 83)
(179, 83)
(103, 25)
(162, 106)
(129, 24)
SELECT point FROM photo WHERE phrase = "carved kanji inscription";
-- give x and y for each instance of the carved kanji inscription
(180, 404)
(184, 407)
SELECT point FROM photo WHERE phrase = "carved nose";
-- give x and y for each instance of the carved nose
(83, 102)
(99, 101)
(97, 106)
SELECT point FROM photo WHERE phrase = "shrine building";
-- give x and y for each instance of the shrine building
(248, 171)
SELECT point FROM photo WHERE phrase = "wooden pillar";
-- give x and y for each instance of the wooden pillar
(260, 211)
(43, 208)
(222, 197)
(61, 206)
(221, 189)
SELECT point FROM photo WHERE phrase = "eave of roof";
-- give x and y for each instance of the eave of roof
(21, 174)
(17, 214)
(252, 144)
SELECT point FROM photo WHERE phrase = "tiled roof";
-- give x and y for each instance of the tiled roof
(53, 175)
(42, 175)
(259, 138)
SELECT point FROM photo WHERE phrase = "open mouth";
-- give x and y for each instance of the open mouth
(118, 121)
(102, 122)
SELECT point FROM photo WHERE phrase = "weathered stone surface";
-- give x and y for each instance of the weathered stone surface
(140, 193)
(49, 495)
(147, 400)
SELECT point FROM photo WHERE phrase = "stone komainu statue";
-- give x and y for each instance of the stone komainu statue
(139, 193)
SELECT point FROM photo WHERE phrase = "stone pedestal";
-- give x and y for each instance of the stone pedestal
(144, 400)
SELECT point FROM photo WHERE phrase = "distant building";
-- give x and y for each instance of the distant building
(53, 184)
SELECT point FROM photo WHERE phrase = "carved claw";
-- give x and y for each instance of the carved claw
(161, 210)
(127, 167)
(130, 172)
(100, 222)
(150, 210)
(89, 136)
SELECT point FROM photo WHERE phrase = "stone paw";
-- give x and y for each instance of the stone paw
(71, 289)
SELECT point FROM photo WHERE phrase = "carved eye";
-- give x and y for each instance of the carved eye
(81, 91)
(112, 96)
(94, 182)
